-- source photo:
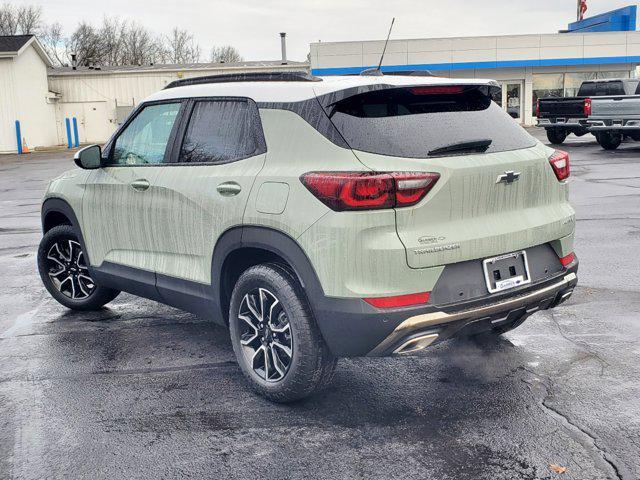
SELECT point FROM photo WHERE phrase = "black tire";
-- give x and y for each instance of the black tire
(556, 136)
(609, 141)
(77, 290)
(309, 367)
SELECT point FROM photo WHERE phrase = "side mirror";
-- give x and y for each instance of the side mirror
(89, 157)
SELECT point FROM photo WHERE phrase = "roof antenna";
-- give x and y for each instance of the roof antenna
(377, 72)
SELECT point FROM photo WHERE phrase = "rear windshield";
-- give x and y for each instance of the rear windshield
(601, 89)
(420, 122)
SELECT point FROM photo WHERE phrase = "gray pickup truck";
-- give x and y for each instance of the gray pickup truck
(615, 117)
(562, 116)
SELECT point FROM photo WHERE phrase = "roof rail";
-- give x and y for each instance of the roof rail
(247, 77)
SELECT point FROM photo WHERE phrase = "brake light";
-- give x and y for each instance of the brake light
(437, 90)
(587, 107)
(342, 191)
(568, 259)
(538, 108)
(399, 301)
(560, 163)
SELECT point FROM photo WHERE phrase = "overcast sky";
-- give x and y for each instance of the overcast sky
(252, 26)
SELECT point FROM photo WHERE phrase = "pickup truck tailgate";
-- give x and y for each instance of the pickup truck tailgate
(627, 107)
(562, 107)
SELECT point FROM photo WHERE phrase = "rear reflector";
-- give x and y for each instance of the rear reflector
(438, 90)
(399, 301)
(342, 191)
(568, 259)
(560, 163)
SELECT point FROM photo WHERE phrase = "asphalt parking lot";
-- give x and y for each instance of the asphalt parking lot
(140, 390)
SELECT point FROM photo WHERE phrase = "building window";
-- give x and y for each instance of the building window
(547, 85)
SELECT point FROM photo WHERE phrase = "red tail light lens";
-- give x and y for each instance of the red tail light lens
(438, 90)
(560, 163)
(587, 107)
(568, 259)
(399, 301)
(342, 191)
(538, 108)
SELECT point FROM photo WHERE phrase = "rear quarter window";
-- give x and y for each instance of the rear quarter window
(412, 122)
(222, 131)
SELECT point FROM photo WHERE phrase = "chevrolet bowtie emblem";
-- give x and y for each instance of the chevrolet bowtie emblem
(508, 177)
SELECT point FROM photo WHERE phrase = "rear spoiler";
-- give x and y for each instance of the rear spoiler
(328, 100)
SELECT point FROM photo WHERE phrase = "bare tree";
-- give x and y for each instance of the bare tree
(8, 19)
(22, 20)
(53, 43)
(29, 19)
(181, 47)
(225, 54)
(141, 47)
(112, 34)
(85, 44)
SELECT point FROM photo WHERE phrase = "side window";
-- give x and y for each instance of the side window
(222, 131)
(144, 140)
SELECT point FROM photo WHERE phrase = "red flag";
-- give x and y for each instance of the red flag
(583, 8)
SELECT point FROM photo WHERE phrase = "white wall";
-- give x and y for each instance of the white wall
(7, 107)
(475, 49)
(36, 114)
(92, 97)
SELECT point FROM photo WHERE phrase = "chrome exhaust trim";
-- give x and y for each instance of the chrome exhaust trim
(429, 320)
(416, 344)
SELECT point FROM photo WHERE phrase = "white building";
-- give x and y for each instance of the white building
(527, 66)
(101, 98)
(25, 95)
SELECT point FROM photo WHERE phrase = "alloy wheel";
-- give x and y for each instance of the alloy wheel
(68, 270)
(265, 334)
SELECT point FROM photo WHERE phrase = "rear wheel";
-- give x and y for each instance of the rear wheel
(274, 335)
(556, 136)
(609, 141)
(64, 271)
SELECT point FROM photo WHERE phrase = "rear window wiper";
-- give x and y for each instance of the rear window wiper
(476, 146)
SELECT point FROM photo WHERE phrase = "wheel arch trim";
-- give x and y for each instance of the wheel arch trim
(270, 240)
(57, 205)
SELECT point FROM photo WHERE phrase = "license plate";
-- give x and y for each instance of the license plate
(506, 271)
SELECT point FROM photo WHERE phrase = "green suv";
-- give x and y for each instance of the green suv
(317, 217)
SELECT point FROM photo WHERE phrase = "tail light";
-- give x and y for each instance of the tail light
(587, 107)
(342, 191)
(567, 259)
(538, 108)
(438, 90)
(399, 301)
(560, 163)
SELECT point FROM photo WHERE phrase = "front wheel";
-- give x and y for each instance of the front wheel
(65, 274)
(274, 335)
(609, 141)
(556, 136)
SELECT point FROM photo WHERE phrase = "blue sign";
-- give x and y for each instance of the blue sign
(620, 20)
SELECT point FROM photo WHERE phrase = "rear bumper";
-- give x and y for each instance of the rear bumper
(614, 124)
(353, 328)
(567, 124)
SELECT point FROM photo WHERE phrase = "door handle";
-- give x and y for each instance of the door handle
(140, 185)
(229, 189)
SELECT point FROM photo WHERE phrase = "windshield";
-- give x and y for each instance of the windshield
(412, 122)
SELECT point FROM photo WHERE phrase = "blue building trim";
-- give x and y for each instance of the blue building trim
(620, 20)
(554, 62)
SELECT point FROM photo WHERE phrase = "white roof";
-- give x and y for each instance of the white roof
(269, 91)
